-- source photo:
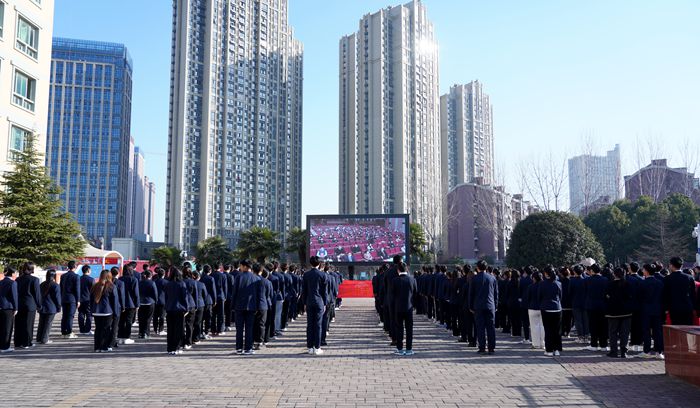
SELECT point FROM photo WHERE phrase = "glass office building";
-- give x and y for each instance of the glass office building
(88, 133)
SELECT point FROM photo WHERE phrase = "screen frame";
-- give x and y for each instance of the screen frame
(406, 217)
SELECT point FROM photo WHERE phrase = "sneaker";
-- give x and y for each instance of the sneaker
(380, 324)
(109, 349)
(120, 341)
(90, 333)
(207, 337)
(98, 351)
(128, 341)
(607, 349)
(548, 354)
(249, 352)
(239, 351)
(180, 351)
(7, 350)
(163, 333)
(409, 353)
(311, 351)
(398, 352)
(333, 320)
(660, 356)
(188, 346)
(318, 352)
(47, 342)
(612, 355)
(525, 341)
(557, 353)
(591, 348)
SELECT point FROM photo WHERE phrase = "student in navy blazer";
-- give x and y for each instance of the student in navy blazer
(228, 304)
(121, 298)
(207, 317)
(264, 289)
(70, 296)
(245, 303)
(50, 305)
(652, 309)
(314, 294)
(201, 299)
(679, 294)
(218, 312)
(404, 294)
(29, 296)
(596, 286)
(148, 296)
(131, 303)
(159, 310)
(483, 298)
(549, 296)
(84, 313)
(104, 303)
(188, 276)
(577, 294)
(178, 302)
(9, 302)
(523, 290)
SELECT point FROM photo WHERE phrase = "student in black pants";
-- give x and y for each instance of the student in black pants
(264, 297)
(619, 295)
(177, 303)
(29, 295)
(549, 296)
(404, 292)
(131, 303)
(148, 295)
(84, 312)
(315, 298)
(159, 310)
(50, 305)
(245, 303)
(595, 288)
(104, 303)
(119, 292)
(70, 295)
(8, 307)
(197, 333)
(512, 296)
(189, 317)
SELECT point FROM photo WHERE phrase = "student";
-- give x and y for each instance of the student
(84, 313)
(595, 287)
(70, 295)
(131, 303)
(634, 281)
(618, 308)
(148, 296)
(245, 303)
(679, 294)
(264, 298)
(566, 308)
(524, 289)
(314, 295)
(194, 299)
(121, 296)
(9, 302)
(483, 298)
(218, 321)
(279, 297)
(652, 310)
(177, 303)
(200, 300)
(159, 310)
(29, 301)
(104, 300)
(404, 292)
(328, 311)
(534, 313)
(577, 294)
(209, 301)
(50, 305)
(549, 296)
(228, 309)
(512, 296)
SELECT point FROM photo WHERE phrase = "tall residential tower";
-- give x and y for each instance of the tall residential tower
(89, 132)
(235, 120)
(594, 181)
(389, 117)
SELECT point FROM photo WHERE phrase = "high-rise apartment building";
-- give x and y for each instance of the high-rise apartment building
(26, 28)
(594, 181)
(150, 208)
(89, 132)
(466, 126)
(389, 128)
(138, 198)
(235, 120)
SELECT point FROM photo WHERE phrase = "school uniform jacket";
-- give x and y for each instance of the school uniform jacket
(210, 283)
(221, 286)
(177, 298)
(108, 304)
(245, 291)
(70, 288)
(595, 287)
(314, 288)
(201, 295)
(679, 292)
(28, 293)
(549, 295)
(51, 299)
(483, 292)
(148, 292)
(86, 283)
(404, 291)
(652, 294)
(131, 292)
(8, 294)
(160, 287)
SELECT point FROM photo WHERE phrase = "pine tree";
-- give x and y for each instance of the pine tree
(33, 226)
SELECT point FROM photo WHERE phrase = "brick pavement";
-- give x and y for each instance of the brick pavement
(356, 371)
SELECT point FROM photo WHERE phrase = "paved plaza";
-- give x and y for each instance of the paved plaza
(357, 370)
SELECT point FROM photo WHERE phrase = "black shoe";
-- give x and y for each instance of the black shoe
(623, 355)
(491, 352)
(612, 354)
(324, 344)
(481, 351)
(461, 341)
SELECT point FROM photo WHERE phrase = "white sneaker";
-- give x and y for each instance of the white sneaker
(525, 341)
(120, 341)
(607, 349)
(591, 348)
(128, 341)
(333, 320)
(188, 347)
(72, 336)
(645, 355)
(660, 356)
(548, 354)
(48, 342)
(109, 349)
(557, 353)
(311, 351)
(380, 324)
(179, 351)
(207, 337)
(7, 350)
(318, 352)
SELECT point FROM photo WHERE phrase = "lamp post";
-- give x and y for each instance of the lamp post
(696, 234)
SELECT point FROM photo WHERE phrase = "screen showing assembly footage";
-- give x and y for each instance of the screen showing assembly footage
(358, 239)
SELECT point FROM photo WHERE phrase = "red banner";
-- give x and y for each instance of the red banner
(355, 289)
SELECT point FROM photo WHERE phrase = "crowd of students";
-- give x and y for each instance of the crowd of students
(187, 304)
(614, 309)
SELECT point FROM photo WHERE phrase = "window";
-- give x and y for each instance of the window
(27, 38)
(24, 91)
(2, 17)
(18, 139)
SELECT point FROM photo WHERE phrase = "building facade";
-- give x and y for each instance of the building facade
(235, 138)
(89, 128)
(594, 180)
(481, 219)
(137, 222)
(466, 127)
(659, 181)
(26, 28)
(389, 132)
(150, 208)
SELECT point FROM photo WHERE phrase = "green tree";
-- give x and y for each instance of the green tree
(33, 225)
(296, 243)
(552, 237)
(684, 215)
(212, 251)
(418, 241)
(167, 256)
(259, 243)
(661, 239)
(610, 225)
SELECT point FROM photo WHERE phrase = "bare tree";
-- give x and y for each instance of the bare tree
(651, 181)
(542, 179)
(690, 160)
(438, 221)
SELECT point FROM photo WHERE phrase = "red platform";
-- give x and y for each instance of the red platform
(682, 351)
(355, 289)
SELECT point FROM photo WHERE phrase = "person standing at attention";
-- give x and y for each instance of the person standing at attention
(9, 302)
(314, 293)
(50, 305)
(70, 297)
(483, 297)
(404, 296)
(84, 312)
